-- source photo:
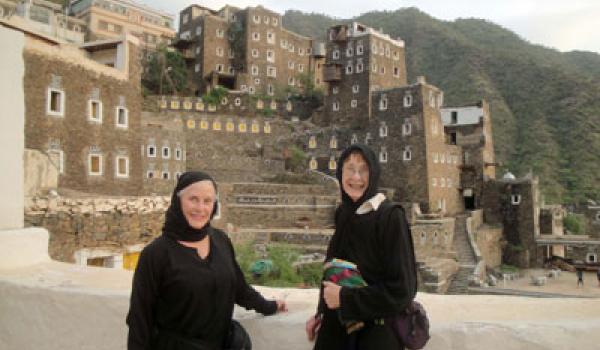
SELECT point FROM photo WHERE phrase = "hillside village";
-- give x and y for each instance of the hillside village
(102, 156)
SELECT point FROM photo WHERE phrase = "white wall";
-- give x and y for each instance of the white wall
(12, 128)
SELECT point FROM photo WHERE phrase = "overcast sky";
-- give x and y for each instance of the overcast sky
(561, 24)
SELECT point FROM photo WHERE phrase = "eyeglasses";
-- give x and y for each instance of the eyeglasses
(349, 171)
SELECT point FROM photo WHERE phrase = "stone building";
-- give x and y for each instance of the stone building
(359, 60)
(244, 49)
(110, 19)
(49, 18)
(163, 152)
(85, 114)
(470, 127)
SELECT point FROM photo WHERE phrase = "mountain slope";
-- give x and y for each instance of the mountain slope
(545, 104)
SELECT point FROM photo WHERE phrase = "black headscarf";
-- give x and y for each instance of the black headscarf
(176, 225)
(374, 173)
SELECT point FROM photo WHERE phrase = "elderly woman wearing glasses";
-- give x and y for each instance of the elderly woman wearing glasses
(372, 234)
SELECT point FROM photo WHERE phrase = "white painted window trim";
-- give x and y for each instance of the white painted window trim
(121, 125)
(90, 108)
(60, 113)
(148, 151)
(61, 159)
(178, 153)
(120, 175)
(101, 165)
(515, 199)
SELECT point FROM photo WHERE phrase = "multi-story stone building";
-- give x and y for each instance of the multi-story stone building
(109, 19)
(470, 127)
(85, 115)
(49, 18)
(244, 49)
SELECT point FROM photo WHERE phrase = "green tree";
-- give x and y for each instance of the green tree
(574, 223)
(165, 73)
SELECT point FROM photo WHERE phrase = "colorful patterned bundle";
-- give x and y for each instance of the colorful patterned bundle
(345, 274)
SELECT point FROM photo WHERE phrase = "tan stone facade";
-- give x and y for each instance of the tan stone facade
(86, 114)
(246, 50)
(108, 19)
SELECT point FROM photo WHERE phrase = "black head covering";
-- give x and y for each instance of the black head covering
(176, 225)
(374, 173)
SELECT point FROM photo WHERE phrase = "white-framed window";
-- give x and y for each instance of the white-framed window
(254, 70)
(95, 110)
(383, 130)
(220, 33)
(406, 128)
(336, 106)
(383, 103)
(256, 81)
(374, 67)
(254, 127)
(283, 43)
(431, 99)
(349, 68)
(359, 67)
(122, 166)
(150, 174)
(256, 19)
(251, 90)
(291, 64)
(591, 257)
(59, 155)
(255, 53)
(300, 67)
(220, 67)
(166, 152)
(270, 90)
(407, 153)
(442, 158)
(178, 153)
(291, 81)
(165, 175)
(359, 49)
(237, 101)
(383, 155)
(368, 138)
(275, 21)
(335, 90)
(395, 55)
(333, 144)
(122, 117)
(396, 72)
(353, 103)
(374, 48)
(300, 51)
(291, 48)
(151, 151)
(197, 67)
(335, 54)
(382, 70)
(271, 71)
(387, 51)
(407, 100)
(267, 127)
(270, 37)
(515, 199)
(185, 18)
(434, 182)
(55, 102)
(244, 87)
(220, 51)
(355, 88)
(95, 167)
(349, 51)
(270, 56)
(266, 19)
(198, 30)
(354, 139)
(313, 163)
(255, 36)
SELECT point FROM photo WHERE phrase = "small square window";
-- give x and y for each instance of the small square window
(515, 199)
(150, 174)
(122, 117)
(55, 102)
(95, 164)
(151, 151)
(95, 111)
(178, 153)
(166, 152)
(122, 167)
(166, 175)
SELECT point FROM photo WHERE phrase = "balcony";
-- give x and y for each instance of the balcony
(332, 72)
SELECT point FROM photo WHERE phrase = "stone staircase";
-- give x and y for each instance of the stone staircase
(465, 255)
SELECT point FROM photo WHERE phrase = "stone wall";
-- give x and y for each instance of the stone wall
(433, 238)
(489, 242)
(111, 224)
(41, 171)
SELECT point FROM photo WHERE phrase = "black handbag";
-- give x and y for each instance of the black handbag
(237, 338)
(411, 326)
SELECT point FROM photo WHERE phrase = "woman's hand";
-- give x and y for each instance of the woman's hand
(281, 306)
(331, 294)
(312, 327)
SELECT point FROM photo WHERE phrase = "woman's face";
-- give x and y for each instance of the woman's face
(355, 176)
(197, 203)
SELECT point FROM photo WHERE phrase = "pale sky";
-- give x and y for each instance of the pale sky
(561, 24)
